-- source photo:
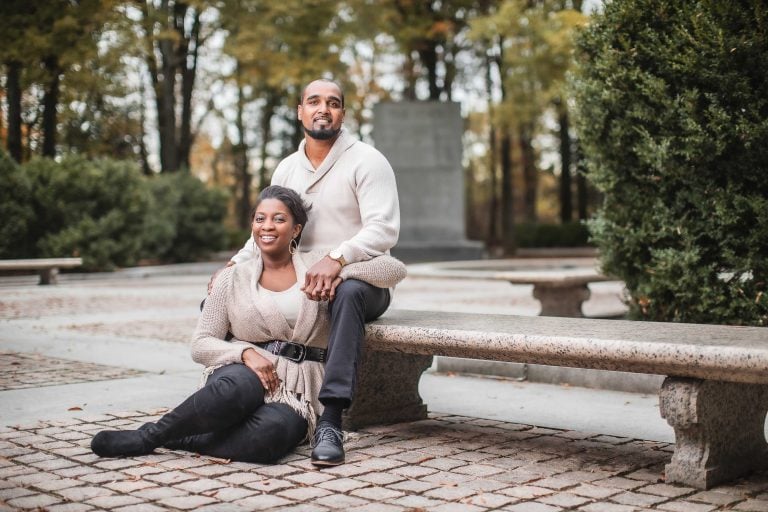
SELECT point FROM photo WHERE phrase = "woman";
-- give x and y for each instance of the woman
(259, 398)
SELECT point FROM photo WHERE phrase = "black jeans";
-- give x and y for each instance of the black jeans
(240, 425)
(355, 304)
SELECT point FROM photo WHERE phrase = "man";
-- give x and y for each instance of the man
(355, 216)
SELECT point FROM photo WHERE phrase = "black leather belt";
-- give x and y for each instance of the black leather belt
(293, 351)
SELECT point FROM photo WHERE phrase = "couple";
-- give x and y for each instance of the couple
(296, 311)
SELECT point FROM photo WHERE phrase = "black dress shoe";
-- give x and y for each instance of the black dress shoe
(329, 446)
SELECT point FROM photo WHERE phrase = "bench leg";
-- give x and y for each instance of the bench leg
(387, 389)
(49, 275)
(719, 430)
(561, 300)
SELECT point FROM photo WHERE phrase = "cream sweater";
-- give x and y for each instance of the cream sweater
(236, 304)
(353, 196)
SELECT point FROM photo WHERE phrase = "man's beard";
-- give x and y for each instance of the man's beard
(322, 133)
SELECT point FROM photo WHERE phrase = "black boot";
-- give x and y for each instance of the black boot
(232, 394)
(329, 445)
(126, 443)
(144, 440)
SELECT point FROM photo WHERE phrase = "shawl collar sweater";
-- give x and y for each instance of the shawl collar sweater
(354, 200)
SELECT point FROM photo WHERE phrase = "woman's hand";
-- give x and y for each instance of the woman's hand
(263, 368)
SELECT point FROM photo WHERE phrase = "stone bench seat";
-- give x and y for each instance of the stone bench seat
(715, 394)
(48, 268)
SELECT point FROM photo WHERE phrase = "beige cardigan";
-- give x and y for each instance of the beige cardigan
(238, 305)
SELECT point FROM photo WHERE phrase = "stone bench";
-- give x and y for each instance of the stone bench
(715, 394)
(48, 268)
(560, 284)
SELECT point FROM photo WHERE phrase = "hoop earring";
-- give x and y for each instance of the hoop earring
(293, 246)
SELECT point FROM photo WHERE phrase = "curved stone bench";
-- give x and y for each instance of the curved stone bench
(715, 395)
(48, 268)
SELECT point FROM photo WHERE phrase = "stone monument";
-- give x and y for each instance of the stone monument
(422, 141)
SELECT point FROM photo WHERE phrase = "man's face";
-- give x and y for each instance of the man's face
(321, 112)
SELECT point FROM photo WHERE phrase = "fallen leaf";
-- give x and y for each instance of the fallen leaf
(75, 408)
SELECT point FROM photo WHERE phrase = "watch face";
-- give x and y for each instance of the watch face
(335, 254)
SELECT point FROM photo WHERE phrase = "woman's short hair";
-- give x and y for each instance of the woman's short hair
(291, 199)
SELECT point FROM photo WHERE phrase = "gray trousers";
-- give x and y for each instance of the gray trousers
(355, 304)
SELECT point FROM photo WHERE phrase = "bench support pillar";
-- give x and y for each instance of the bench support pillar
(718, 430)
(387, 389)
(49, 275)
(561, 300)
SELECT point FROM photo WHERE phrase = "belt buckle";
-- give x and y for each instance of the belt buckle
(302, 352)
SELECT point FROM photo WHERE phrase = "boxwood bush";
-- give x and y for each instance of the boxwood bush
(107, 212)
(673, 117)
(15, 209)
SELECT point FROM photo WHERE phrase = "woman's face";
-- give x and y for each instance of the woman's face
(273, 227)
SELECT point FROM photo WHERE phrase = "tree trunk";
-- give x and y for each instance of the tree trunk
(493, 198)
(530, 176)
(166, 107)
(188, 74)
(267, 113)
(143, 153)
(428, 57)
(409, 73)
(50, 103)
(507, 196)
(582, 192)
(13, 87)
(566, 204)
(241, 159)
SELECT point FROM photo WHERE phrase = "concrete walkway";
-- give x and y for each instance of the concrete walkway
(110, 352)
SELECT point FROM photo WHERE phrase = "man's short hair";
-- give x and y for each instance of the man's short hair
(328, 80)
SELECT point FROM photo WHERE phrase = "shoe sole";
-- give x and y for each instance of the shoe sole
(326, 463)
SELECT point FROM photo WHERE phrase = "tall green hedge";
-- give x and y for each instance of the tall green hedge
(673, 115)
(106, 212)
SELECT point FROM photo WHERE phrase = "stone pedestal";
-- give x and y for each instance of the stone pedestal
(561, 300)
(718, 430)
(387, 389)
(422, 141)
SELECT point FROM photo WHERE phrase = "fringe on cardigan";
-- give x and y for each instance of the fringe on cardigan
(302, 407)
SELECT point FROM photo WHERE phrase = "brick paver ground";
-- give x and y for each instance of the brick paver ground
(445, 463)
(20, 371)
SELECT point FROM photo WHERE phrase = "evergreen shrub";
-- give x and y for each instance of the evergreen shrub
(189, 211)
(107, 212)
(93, 209)
(673, 116)
(15, 209)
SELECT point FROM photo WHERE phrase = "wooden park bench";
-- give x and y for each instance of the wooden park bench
(715, 394)
(48, 268)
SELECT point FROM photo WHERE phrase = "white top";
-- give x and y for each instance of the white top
(288, 302)
(354, 200)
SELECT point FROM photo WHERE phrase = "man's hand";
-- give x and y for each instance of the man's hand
(213, 277)
(322, 279)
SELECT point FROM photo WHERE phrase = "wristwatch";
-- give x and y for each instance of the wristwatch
(337, 255)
